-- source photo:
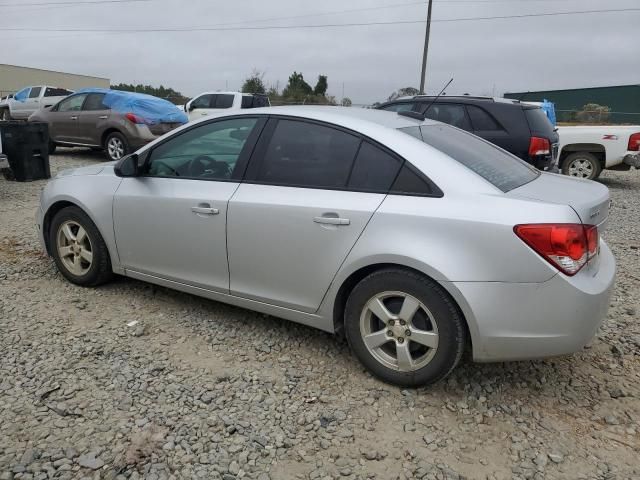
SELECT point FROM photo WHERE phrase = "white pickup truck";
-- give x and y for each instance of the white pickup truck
(586, 151)
(209, 104)
(30, 99)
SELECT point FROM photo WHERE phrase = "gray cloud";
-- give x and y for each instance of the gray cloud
(482, 56)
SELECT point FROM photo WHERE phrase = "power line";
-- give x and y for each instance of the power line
(311, 26)
(96, 2)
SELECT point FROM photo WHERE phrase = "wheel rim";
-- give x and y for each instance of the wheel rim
(581, 167)
(399, 331)
(115, 147)
(74, 248)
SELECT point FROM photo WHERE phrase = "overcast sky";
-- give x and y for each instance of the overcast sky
(483, 56)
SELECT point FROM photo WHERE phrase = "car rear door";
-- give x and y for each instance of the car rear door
(486, 126)
(171, 222)
(294, 219)
(92, 119)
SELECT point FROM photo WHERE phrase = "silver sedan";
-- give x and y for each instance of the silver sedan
(415, 239)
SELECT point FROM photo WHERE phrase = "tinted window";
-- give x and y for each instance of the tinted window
(481, 120)
(308, 155)
(203, 101)
(374, 170)
(94, 102)
(498, 167)
(72, 104)
(209, 151)
(538, 121)
(398, 107)
(410, 182)
(56, 92)
(35, 92)
(224, 101)
(450, 114)
(256, 101)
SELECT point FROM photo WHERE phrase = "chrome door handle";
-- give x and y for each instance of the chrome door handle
(332, 220)
(74, 118)
(205, 210)
(103, 117)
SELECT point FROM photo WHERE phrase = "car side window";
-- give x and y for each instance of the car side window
(94, 102)
(374, 169)
(22, 95)
(56, 92)
(203, 101)
(305, 154)
(411, 182)
(450, 114)
(209, 151)
(399, 107)
(72, 104)
(481, 120)
(224, 101)
(35, 92)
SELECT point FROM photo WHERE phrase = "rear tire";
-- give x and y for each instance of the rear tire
(422, 336)
(115, 146)
(78, 249)
(582, 165)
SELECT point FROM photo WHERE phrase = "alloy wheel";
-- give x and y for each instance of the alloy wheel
(581, 168)
(115, 147)
(399, 331)
(74, 248)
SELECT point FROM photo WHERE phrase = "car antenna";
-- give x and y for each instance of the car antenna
(437, 97)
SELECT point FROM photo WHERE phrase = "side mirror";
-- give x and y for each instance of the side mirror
(127, 166)
(191, 107)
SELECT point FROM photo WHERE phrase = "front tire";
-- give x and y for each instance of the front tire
(115, 146)
(78, 249)
(582, 165)
(5, 114)
(404, 328)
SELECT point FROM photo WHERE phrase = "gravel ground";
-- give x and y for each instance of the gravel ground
(198, 389)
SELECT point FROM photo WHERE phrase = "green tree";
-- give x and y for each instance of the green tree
(254, 83)
(160, 92)
(346, 102)
(321, 86)
(593, 113)
(297, 89)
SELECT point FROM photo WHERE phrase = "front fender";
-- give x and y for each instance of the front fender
(94, 195)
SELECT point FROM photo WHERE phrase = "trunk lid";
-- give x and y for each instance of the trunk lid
(589, 199)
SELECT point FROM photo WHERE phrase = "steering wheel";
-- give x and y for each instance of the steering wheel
(203, 165)
(162, 163)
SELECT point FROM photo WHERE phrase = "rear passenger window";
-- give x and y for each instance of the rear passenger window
(399, 107)
(224, 101)
(482, 120)
(411, 182)
(374, 170)
(449, 114)
(304, 154)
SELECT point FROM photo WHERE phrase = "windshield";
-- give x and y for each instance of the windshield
(495, 165)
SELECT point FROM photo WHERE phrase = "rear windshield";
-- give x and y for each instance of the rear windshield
(255, 101)
(538, 121)
(495, 165)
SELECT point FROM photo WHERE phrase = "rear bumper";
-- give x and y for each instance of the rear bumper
(519, 321)
(632, 159)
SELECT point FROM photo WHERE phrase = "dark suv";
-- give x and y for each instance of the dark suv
(519, 128)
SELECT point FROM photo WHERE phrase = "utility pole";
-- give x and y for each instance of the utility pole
(426, 49)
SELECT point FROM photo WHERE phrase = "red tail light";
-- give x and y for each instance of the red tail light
(634, 142)
(567, 246)
(133, 118)
(539, 146)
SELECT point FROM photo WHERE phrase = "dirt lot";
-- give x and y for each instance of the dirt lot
(198, 389)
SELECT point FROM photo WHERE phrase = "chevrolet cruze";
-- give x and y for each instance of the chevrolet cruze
(416, 239)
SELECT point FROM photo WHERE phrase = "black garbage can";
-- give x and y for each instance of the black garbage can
(26, 146)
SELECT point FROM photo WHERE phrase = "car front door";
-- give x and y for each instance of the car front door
(293, 220)
(199, 107)
(63, 119)
(92, 119)
(19, 103)
(171, 221)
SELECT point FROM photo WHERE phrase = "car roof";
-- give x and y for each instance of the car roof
(349, 117)
(456, 99)
(232, 93)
